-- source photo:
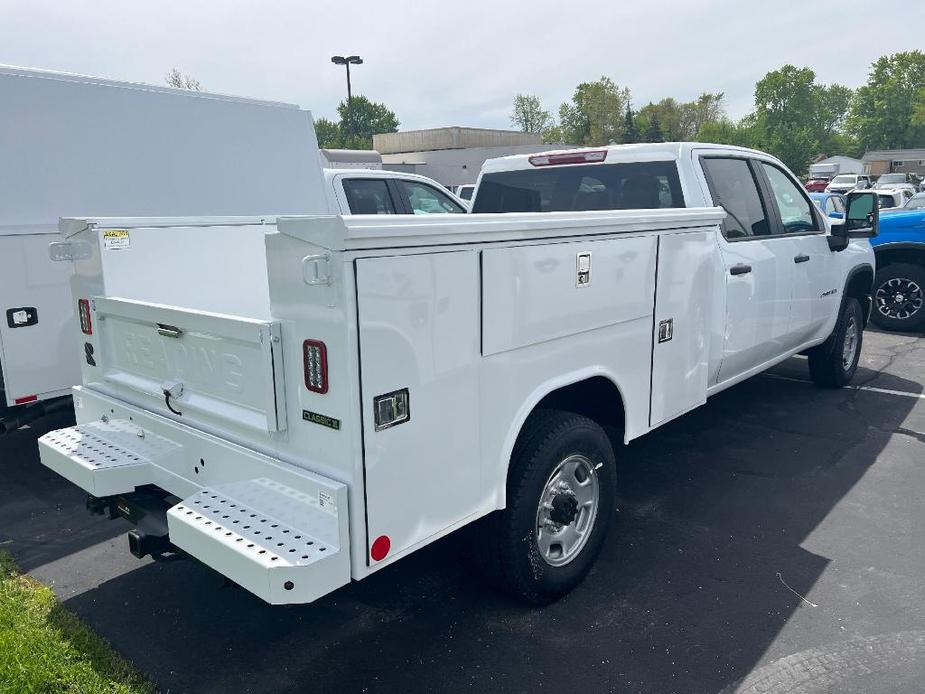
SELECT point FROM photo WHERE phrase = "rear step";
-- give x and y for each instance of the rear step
(282, 535)
(105, 457)
(277, 542)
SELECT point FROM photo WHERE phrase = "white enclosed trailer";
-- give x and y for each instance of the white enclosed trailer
(328, 394)
(75, 145)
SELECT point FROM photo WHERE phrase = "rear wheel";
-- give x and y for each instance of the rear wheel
(834, 363)
(561, 490)
(899, 297)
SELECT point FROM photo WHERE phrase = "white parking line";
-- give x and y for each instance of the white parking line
(872, 389)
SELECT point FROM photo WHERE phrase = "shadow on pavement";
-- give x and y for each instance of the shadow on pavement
(687, 595)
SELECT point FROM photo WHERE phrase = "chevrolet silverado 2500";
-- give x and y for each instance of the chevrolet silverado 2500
(327, 394)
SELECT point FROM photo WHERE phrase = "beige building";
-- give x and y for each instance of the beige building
(879, 162)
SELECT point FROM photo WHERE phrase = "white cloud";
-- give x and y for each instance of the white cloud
(454, 63)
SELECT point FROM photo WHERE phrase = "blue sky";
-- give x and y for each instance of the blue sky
(439, 64)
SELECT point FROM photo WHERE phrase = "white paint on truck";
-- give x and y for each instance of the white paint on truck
(380, 399)
(74, 145)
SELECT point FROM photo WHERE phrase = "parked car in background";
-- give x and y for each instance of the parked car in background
(899, 287)
(845, 182)
(916, 202)
(896, 181)
(893, 198)
(833, 205)
(816, 185)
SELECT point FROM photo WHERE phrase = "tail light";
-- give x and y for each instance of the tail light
(83, 310)
(315, 362)
(569, 158)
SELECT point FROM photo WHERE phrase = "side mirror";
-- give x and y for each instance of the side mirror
(862, 220)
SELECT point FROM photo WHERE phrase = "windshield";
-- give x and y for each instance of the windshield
(845, 180)
(915, 203)
(636, 185)
(886, 179)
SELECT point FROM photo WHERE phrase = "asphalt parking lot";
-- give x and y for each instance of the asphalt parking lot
(769, 541)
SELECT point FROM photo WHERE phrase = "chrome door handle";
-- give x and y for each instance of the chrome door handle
(740, 269)
(802, 258)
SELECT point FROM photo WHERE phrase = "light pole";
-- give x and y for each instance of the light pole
(347, 62)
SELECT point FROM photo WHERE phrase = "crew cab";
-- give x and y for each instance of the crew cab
(330, 393)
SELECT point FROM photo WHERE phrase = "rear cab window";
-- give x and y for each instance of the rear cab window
(617, 186)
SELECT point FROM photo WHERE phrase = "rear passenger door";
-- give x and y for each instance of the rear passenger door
(758, 266)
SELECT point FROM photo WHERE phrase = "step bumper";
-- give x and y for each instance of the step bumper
(272, 539)
(277, 530)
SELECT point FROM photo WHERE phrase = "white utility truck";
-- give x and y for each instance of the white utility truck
(75, 145)
(318, 400)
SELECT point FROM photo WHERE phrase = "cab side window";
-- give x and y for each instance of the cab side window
(734, 188)
(796, 211)
(425, 199)
(368, 196)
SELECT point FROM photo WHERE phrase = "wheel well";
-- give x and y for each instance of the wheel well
(860, 286)
(596, 398)
(888, 256)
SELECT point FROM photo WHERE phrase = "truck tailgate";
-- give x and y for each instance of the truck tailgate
(197, 363)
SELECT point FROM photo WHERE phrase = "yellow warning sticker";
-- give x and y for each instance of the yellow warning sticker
(116, 238)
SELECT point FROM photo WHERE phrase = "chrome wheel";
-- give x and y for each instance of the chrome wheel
(567, 510)
(850, 348)
(899, 298)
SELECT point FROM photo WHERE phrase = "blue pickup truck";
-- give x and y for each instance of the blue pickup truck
(899, 287)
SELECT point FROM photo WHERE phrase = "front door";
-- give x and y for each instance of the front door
(813, 294)
(758, 267)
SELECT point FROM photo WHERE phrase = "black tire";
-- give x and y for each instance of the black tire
(830, 364)
(509, 538)
(908, 315)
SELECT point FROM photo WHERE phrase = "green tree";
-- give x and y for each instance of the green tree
(706, 110)
(884, 111)
(364, 119)
(654, 129)
(630, 131)
(743, 133)
(788, 104)
(595, 114)
(529, 115)
(328, 133)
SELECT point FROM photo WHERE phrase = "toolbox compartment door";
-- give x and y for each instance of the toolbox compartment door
(681, 330)
(219, 367)
(419, 332)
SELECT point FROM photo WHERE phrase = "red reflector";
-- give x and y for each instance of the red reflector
(568, 158)
(380, 548)
(83, 310)
(315, 362)
(28, 398)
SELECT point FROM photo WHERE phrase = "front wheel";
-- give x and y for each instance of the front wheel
(899, 297)
(834, 363)
(560, 497)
